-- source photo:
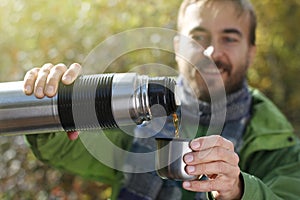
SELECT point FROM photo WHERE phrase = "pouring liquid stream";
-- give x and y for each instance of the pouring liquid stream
(176, 124)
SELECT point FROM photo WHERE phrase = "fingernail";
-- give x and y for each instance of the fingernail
(186, 184)
(190, 168)
(50, 89)
(39, 91)
(67, 79)
(195, 145)
(188, 158)
(28, 88)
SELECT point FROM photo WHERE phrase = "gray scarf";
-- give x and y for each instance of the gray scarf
(237, 104)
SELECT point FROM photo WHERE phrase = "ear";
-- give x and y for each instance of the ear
(252, 54)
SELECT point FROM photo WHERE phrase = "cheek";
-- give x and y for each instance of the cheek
(187, 70)
(184, 68)
(238, 59)
(234, 54)
(189, 51)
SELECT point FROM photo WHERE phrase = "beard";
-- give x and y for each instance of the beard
(215, 78)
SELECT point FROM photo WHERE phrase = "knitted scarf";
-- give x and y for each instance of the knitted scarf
(237, 104)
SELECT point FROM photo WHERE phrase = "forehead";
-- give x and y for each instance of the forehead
(215, 16)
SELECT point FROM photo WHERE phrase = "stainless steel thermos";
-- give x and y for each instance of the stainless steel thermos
(92, 102)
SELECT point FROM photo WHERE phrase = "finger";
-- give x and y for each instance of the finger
(211, 141)
(40, 82)
(29, 80)
(212, 155)
(71, 74)
(214, 168)
(205, 185)
(73, 135)
(54, 78)
(222, 187)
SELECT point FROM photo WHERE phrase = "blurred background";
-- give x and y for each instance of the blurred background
(35, 32)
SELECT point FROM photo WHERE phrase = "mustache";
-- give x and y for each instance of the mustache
(223, 65)
(207, 62)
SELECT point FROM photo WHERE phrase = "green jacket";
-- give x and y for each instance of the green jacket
(269, 158)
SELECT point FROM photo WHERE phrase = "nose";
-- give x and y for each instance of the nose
(213, 52)
(209, 51)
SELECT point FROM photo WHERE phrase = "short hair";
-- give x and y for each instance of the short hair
(243, 6)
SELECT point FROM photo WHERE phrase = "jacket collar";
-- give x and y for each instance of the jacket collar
(268, 128)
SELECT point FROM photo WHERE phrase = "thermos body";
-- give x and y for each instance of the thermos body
(92, 102)
(26, 114)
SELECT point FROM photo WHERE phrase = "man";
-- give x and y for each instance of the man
(260, 157)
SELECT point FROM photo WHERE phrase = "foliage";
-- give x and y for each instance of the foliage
(35, 32)
(277, 65)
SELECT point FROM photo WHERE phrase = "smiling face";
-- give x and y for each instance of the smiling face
(217, 52)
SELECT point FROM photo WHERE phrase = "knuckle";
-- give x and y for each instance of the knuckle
(32, 72)
(76, 66)
(46, 67)
(199, 155)
(237, 172)
(198, 186)
(221, 167)
(231, 145)
(211, 185)
(60, 67)
(219, 152)
(56, 73)
(41, 79)
(236, 159)
(53, 80)
(223, 142)
(45, 70)
(219, 140)
(202, 168)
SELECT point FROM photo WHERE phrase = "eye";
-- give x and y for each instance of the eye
(201, 39)
(230, 39)
(198, 37)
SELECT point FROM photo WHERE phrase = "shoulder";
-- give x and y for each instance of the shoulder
(268, 128)
(266, 116)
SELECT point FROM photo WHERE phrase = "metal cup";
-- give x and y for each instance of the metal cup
(169, 158)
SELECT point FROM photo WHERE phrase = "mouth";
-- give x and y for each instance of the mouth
(213, 70)
(210, 68)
